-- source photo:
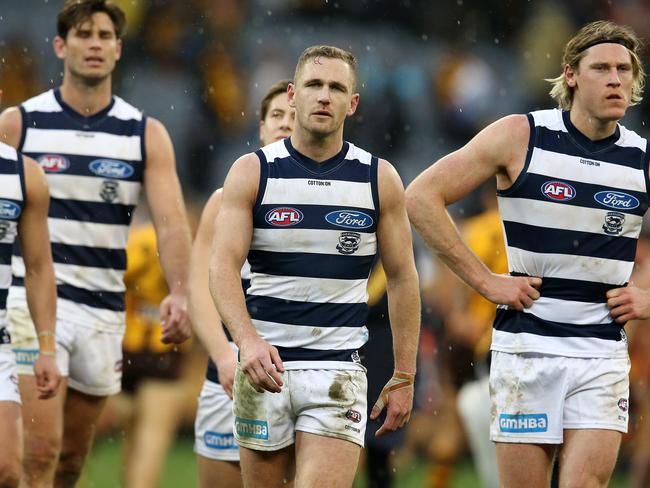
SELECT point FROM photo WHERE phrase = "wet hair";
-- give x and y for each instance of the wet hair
(594, 33)
(276, 89)
(329, 52)
(76, 12)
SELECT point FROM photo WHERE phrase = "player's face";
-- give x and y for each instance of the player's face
(603, 82)
(323, 95)
(90, 50)
(278, 123)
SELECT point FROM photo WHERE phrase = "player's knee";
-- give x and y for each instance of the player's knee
(41, 453)
(590, 480)
(69, 469)
(9, 473)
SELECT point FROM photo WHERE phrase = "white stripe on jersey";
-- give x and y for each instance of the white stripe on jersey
(551, 119)
(88, 189)
(11, 187)
(321, 338)
(76, 233)
(310, 240)
(301, 289)
(45, 102)
(11, 232)
(94, 144)
(568, 266)
(8, 152)
(631, 139)
(5, 276)
(568, 312)
(297, 191)
(354, 152)
(275, 151)
(124, 111)
(587, 347)
(558, 165)
(86, 277)
(565, 217)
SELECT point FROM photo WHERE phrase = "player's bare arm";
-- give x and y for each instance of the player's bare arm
(258, 359)
(11, 122)
(40, 284)
(203, 314)
(170, 219)
(499, 149)
(395, 246)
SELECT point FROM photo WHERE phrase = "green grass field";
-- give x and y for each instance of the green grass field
(103, 469)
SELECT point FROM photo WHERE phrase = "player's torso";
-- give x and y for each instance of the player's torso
(94, 167)
(313, 246)
(572, 218)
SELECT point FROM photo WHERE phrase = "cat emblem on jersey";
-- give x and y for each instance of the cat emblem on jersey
(109, 190)
(4, 229)
(614, 221)
(348, 242)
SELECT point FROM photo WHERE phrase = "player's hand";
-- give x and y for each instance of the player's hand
(227, 367)
(628, 303)
(261, 364)
(397, 395)
(517, 292)
(47, 376)
(175, 322)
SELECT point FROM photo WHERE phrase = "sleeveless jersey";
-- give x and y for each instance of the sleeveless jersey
(94, 167)
(573, 218)
(313, 246)
(12, 200)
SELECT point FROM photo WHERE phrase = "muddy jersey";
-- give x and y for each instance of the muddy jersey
(12, 200)
(94, 167)
(314, 242)
(573, 218)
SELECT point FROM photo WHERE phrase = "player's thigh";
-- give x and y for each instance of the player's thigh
(325, 462)
(588, 457)
(213, 473)
(271, 469)
(11, 447)
(525, 465)
(80, 415)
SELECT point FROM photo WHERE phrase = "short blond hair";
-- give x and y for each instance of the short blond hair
(598, 32)
(330, 52)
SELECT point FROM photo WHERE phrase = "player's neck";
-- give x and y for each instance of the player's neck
(86, 99)
(317, 148)
(592, 127)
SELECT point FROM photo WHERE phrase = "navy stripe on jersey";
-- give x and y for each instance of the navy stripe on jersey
(109, 125)
(563, 143)
(96, 212)
(321, 168)
(307, 313)
(3, 298)
(560, 241)
(584, 193)
(98, 299)
(304, 354)
(212, 373)
(509, 320)
(313, 217)
(96, 257)
(5, 253)
(345, 170)
(574, 290)
(311, 265)
(79, 165)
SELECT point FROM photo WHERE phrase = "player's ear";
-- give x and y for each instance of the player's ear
(354, 103)
(58, 43)
(570, 76)
(291, 95)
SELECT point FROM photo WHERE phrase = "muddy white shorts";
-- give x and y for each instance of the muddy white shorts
(8, 376)
(536, 396)
(92, 359)
(213, 435)
(326, 402)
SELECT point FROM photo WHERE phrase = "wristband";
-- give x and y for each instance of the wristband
(44, 333)
(47, 353)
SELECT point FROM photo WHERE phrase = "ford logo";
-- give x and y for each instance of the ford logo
(558, 191)
(110, 168)
(9, 210)
(349, 219)
(616, 199)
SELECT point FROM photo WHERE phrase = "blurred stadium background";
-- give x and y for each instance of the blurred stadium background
(431, 74)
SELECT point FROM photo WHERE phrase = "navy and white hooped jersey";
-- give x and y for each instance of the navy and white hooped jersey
(94, 168)
(573, 218)
(314, 242)
(12, 201)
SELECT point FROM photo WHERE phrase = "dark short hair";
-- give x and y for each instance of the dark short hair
(76, 12)
(275, 90)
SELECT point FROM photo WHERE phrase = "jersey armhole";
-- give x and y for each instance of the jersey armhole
(143, 139)
(21, 175)
(532, 138)
(23, 128)
(646, 168)
(374, 184)
(261, 188)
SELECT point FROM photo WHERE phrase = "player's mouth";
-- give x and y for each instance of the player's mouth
(614, 96)
(94, 60)
(322, 113)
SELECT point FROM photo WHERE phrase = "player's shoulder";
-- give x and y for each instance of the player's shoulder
(273, 152)
(43, 102)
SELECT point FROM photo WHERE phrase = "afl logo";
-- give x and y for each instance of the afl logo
(53, 163)
(349, 219)
(110, 168)
(616, 199)
(558, 191)
(9, 210)
(284, 216)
